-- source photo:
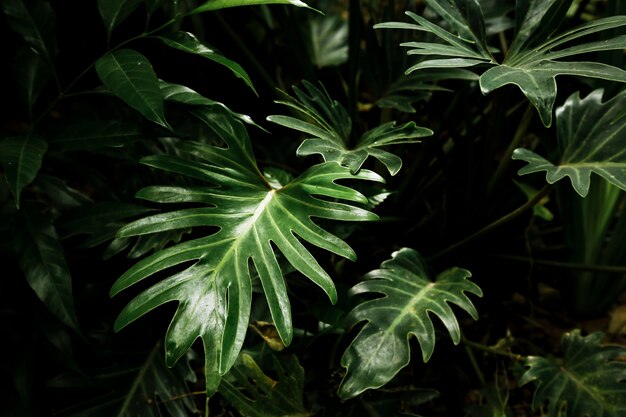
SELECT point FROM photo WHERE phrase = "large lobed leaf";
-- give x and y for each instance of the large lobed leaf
(589, 381)
(254, 220)
(328, 121)
(382, 348)
(592, 139)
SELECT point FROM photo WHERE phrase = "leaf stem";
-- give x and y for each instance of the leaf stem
(502, 220)
(493, 350)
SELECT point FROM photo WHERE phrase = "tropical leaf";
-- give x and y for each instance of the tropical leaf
(114, 12)
(187, 42)
(21, 158)
(129, 75)
(534, 59)
(381, 348)
(255, 394)
(589, 381)
(329, 123)
(41, 258)
(254, 219)
(329, 40)
(591, 140)
(211, 5)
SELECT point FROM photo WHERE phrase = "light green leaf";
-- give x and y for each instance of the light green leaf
(331, 127)
(21, 158)
(211, 5)
(255, 394)
(114, 12)
(591, 139)
(129, 75)
(381, 348)
(41, 258)
(187, 42)
(254, 220)
(589, 381)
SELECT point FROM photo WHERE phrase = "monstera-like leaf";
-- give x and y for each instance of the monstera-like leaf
(535, 57)
(328, 121)
(254, 220)
(592, 139)
(589, 381)
(381, 348)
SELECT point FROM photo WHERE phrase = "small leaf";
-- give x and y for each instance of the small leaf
(21, 157)
(114, 12)
(254, 394)
(211, 5)
(590, 381)
(129, 75)
(41, 258)
(381, 348)
(591, 139)
(187, 42)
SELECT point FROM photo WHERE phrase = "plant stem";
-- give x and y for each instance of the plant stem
(502, 220)
(493, 350)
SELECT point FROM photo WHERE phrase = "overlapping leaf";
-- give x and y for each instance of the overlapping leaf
(592, 139)
(328, 121)
(381, 348)
(254, 220)
(590, 381)
(21, 158)
(535, 56)
(269, 397)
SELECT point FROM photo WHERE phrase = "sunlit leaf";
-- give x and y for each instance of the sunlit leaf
(589, 381)
(129, 75)
(591, 140)
(408, 298)
(254, 220)
(21, 158)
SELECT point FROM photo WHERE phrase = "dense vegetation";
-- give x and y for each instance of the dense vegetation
(338, 208)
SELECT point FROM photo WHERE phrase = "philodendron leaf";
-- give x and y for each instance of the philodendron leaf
(129, 75)
(381, 348)
(21, 158)
(255, 394)
(114, 12)
(254, 220)
(211, 5)
(329, 123)
(187, 42)
(41, 258)
(588, 381)
(591, 137)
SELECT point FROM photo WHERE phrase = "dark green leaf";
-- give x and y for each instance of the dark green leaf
(249, 214)
(114, 12)
(31, 74)
(255, 394)
(41, 258)
(591, 139)
(95, 134)
(187, 42)
(589, 381)
(381, 348)
(129, 75)
(21, 158)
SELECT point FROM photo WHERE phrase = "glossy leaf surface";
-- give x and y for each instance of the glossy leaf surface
(590, 381)
(409, 296)
(129, 75)
(21, 158)
(254, 394)
(592, 139)
(254, 220)
(328, 121)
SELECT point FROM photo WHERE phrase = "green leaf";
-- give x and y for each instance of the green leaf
(114, 12)
(591, 140)
(381, 348)
(329, 40)
(255, 394)
(129, 75)
(254, 220)
(211, 5)
(331, 128)
(589, 381)
(21, 158)
(31, 74)
(187, 42)
(96, 134)
(36, 24)
(41, 258)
